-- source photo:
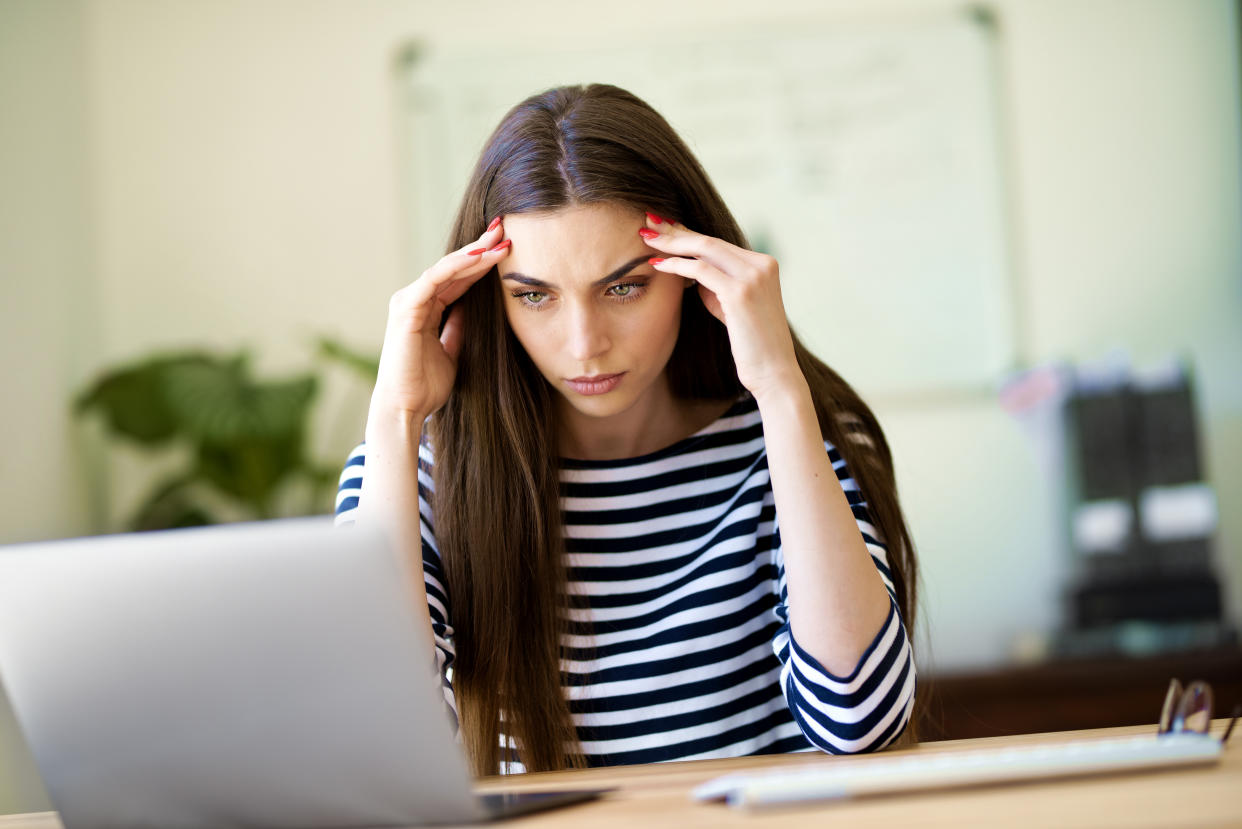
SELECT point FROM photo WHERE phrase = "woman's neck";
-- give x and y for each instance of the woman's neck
(656, 420)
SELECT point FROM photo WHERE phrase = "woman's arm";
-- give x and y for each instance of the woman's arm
(863, 701)
(390, 488)
(847, 669)
(837, 599)
(417, 369)
(840, 709)
(359, 475)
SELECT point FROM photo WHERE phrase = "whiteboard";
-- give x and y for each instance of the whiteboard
(864, 156)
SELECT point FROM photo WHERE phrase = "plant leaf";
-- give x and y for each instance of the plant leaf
(219, 404)
(251, 469)
(132, 402)
(169, 506)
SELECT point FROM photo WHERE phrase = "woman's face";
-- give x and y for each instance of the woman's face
(596, 319)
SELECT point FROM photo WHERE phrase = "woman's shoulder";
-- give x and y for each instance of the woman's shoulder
(722, 422)
(712, 413)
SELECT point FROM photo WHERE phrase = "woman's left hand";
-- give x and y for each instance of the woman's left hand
(742, 289)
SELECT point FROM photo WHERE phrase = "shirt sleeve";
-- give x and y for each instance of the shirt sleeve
(868, 708)
(347, 496)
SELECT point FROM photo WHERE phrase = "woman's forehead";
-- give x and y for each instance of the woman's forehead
(572, 245)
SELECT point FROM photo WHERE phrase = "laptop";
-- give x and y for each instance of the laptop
(261, 674)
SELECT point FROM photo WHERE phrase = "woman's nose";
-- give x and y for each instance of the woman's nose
(587, 335)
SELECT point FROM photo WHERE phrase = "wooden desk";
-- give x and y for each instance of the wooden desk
(654, 796)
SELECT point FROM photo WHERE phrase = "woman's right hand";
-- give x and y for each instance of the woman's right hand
(418, 364)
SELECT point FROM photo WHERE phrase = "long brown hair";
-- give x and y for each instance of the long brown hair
(497, 506)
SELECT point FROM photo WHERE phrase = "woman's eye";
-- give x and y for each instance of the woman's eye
(532, 297)
(627, 290)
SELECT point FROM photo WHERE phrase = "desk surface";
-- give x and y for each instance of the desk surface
(657, 795)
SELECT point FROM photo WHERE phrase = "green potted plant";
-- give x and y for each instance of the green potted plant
(246, 438)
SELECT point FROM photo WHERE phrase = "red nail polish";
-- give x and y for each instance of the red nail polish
(475, 252)
(648, 233)
(495, 224)
(654, 218)
(502, 245)
(655, 260)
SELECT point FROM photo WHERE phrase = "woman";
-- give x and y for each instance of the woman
(640, 499)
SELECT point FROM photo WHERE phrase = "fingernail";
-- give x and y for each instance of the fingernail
(655, 260)
(495, 224)
(654, 218)
(501, 246)
(475, 252)
(648, 233)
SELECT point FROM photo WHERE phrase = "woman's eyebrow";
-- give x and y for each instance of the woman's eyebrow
(599, 283)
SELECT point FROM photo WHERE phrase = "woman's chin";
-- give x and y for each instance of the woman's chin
(598, 405)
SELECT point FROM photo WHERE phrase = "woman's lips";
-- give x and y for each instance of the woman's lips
(599, 384)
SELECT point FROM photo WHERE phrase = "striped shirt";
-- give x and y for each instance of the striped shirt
(679, 645)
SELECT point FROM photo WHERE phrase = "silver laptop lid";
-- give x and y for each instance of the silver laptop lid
(263, 674)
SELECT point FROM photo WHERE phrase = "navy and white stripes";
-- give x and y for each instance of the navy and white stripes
(679, 645)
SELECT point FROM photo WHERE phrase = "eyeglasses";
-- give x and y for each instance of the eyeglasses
(1190, 709)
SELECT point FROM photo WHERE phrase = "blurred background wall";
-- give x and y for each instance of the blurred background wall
(227, 173)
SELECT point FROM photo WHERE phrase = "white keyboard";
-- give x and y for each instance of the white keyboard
(841, 778)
